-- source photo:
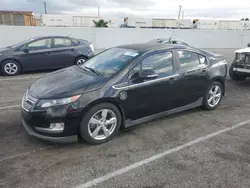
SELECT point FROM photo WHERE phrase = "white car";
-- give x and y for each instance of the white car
(240, 68)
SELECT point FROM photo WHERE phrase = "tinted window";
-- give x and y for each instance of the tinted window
(76, 42)
(188, 59)
(161, 63)
(202, 59)
(111, 61)
(40, 44)
(62, 42)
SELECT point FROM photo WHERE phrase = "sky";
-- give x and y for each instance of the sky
(201, 9)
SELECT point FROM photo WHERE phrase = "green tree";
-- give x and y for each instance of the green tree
(100, 23)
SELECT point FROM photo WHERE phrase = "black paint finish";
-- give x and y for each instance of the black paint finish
(145, 99)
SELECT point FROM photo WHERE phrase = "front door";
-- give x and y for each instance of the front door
(36, 55)
(149, 95)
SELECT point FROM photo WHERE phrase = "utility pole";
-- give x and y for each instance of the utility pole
(98, 11)
(183, 14)
(45, 7)
(179, 14)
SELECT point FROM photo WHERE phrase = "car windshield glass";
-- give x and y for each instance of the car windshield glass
(20, 43)
(111, 61)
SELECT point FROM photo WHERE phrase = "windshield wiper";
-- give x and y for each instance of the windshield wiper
(93, 70)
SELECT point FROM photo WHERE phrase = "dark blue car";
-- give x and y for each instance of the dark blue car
(43, 53)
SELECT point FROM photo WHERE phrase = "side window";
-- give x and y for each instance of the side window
(202, 59)
(76, 42)
(161, 63)
(188, 59)
(40, 44)
(62, 42)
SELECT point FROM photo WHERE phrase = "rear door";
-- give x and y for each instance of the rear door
(193, 80)
(36, 54)
(63, 52)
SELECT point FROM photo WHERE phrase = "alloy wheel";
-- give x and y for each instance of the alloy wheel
(214, 96)
(102, 124)
(80, 61)
(10, 68)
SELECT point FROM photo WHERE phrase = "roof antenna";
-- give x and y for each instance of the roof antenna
(171, 37)
(69, 34)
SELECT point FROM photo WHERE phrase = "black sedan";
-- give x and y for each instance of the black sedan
(43, 53)
(121, 87)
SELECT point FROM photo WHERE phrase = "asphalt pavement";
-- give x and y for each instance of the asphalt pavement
(195, 148)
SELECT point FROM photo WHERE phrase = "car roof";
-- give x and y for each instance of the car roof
(148, 47)
(244, 50)
(42, 37)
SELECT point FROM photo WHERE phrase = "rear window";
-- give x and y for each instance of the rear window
(75, 41)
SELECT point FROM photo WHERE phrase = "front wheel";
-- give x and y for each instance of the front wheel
(100, 124)
(10, 68)
(213, 96)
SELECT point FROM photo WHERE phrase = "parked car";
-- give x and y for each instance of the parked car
(166, 40)
(121, 87)
(42, 53)
(240, 68)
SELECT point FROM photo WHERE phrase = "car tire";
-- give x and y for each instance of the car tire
(10, 68)
(94, 125)
(235, 76)
(80, 60)
(212, 96)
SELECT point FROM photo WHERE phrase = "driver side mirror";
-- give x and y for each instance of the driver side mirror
(26, 49)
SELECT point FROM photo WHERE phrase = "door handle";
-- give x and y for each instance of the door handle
(203, 72)
(48, 53)
(171, 80)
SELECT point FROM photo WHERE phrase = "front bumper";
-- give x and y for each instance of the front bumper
(241, 70)
(36, 122)
(65, 139)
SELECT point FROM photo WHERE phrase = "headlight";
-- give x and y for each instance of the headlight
(92, 47)
(0, 54)
(57, 102)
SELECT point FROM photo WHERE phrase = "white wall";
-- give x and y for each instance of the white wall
(108, 37)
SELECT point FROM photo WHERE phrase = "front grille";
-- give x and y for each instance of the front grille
(28, 102)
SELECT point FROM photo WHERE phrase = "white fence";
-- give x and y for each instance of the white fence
(108, 37)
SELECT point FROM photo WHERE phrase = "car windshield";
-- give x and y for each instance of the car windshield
(111, 61)
(20, 43)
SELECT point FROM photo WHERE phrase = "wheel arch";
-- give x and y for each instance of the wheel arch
(1, 63)
(84, 56)
(107, 100)
(221, 80)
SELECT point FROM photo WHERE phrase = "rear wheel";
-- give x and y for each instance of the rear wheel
(100, 124)
(10, 68)
(234, 76)
(80, 60)
(213, 96)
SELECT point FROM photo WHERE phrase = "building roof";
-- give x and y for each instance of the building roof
(15, 12)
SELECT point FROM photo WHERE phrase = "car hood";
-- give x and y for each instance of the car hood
(65, 83)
